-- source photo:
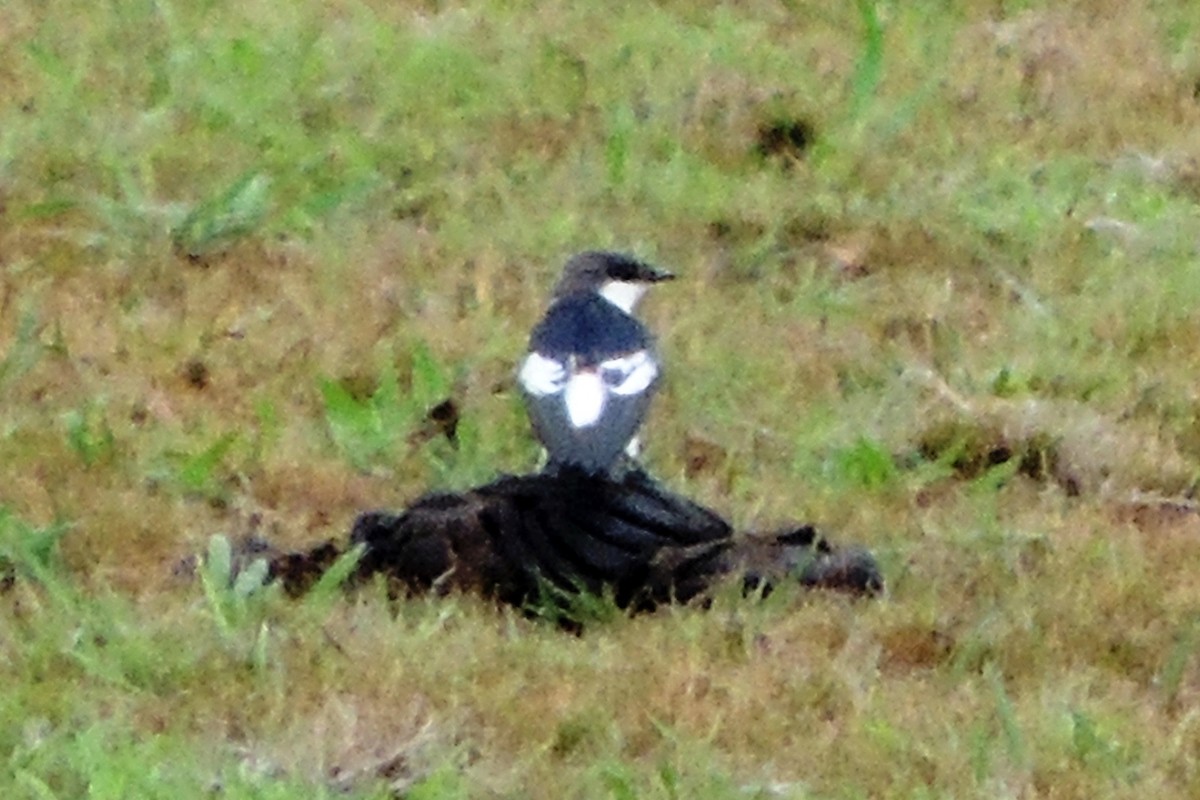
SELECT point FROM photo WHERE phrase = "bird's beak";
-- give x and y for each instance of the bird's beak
(657, 275)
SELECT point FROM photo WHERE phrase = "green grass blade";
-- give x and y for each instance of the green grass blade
(329, 586)
(868, 68)
(235, 213)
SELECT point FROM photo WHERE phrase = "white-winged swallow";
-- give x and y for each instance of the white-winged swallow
(592, 368)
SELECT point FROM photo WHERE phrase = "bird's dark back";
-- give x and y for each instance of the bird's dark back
(588, 327)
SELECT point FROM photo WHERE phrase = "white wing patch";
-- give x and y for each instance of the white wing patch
(585, 395)
(631, 374)
(542, 376)
(586, 391)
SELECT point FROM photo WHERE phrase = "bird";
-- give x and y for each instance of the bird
(592, 369)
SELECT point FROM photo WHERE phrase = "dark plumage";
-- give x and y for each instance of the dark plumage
(588, 327)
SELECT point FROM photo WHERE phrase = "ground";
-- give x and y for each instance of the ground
(938, 293)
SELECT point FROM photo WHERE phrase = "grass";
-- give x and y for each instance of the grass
(938, 295)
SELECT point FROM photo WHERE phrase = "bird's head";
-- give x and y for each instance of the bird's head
(621, 279)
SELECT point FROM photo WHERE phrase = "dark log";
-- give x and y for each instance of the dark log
(527, 539)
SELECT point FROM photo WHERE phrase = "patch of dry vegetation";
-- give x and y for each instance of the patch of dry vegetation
(939, 297)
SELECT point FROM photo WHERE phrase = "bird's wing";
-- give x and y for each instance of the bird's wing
(586, 417)
(630, 374)
(542, 375)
